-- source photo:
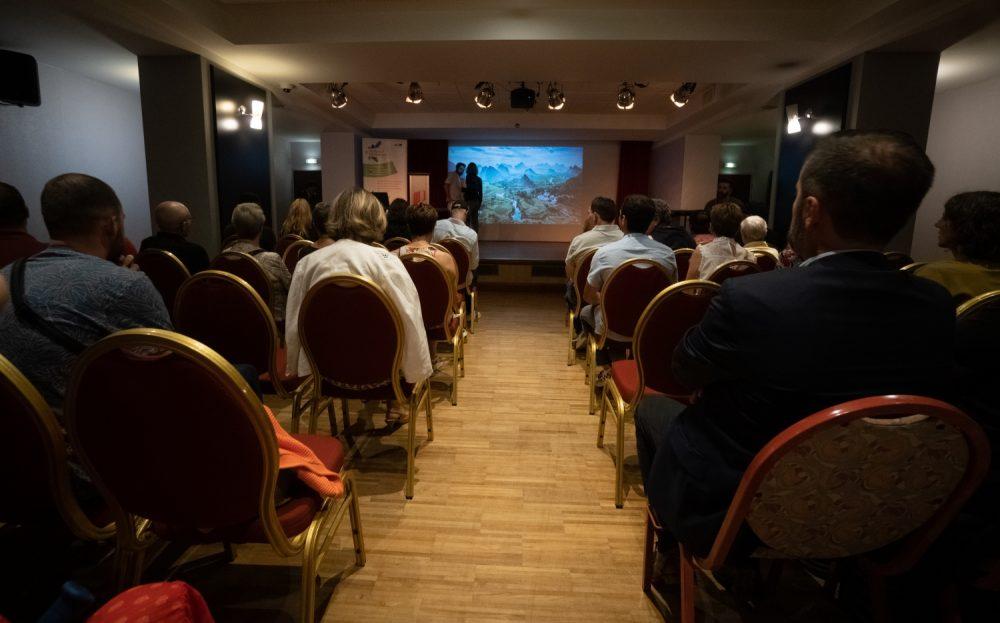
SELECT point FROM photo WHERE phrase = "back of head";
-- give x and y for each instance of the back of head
(299, 218)
(248, 220)
(753, 228)
(700, 223)
(726, 218)
(320, 216)
(639, 211)
(974, 220)
(171, 216)
(662, 211)
(458, 209)
(605, 209)
(421, 219)
(397, 208)
(13, 211)
(868, 182)
(357, 215)
(73, 204)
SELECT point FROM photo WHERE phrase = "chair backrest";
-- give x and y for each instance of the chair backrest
(663, 324)
(979, 306)
(378, 245)
(683, 259)
(394, 243)
(247, 268)
(165, 270)
(351, 333)
(436, 291)
(897, 259)
(909, 268)
(733, 268)
(170, 432)
(35, 482)
(766, 261)
(293, 253)
(459, 251)
(626, 293)
(583, 263)
(286, 241)
(857, 477)
(223, 312)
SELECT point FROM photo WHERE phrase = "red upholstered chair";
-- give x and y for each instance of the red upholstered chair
(460, 252)
(394, 243)
(378, 245)
(36, 485)
(877, 479)
(766, 260)
(286, 241)
(223, 312)
(248, 269)
(660, 329)
(170, 433)
(982, 306)
(163, 602)
(583, 261)
(165, 271)
(294, 253)
(897, 259)
(437, 304)
(626, 293)
(353, 337)
(733, 268)
(683, 258)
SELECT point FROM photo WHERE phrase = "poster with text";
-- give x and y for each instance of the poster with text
(384, 165)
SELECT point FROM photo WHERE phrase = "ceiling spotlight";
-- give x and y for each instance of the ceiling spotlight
(414, 94)
(626, 97)
(256, 114)
(338, 96)
(486, 95)
(683, 94)
(822, 127)
(557, 99)
(730, 165)
(792, 114)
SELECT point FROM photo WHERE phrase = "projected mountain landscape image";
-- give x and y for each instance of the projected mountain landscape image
(525, 185)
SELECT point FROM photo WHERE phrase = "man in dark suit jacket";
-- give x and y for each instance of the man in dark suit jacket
(776, 347)
(173, 224)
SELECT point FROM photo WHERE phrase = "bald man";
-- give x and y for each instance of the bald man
(173, 224)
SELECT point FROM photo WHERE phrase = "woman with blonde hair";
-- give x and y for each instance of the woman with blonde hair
(299, 220)
(725, 219)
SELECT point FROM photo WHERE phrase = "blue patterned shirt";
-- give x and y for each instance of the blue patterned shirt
(86, 298)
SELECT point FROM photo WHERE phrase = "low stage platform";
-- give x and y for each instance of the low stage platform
(535, 264)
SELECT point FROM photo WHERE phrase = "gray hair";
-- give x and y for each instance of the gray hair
(753, 228)
(662, 210)
(247, 220)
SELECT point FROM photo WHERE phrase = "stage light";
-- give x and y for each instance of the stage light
(338, 96)
(414, 94)
(557, 99)
(312, 160)
(683, 94)
(792, 114)
(823, 127)
(229, 124)
(730, 165)
(626, 97)
(484, 98)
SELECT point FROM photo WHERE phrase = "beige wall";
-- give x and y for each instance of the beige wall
(685, 171)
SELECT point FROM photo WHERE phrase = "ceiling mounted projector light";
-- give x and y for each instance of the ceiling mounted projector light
(414, 95)
(683, 94)
(626, 97)
(338, 96)
(792, 114)
(484, 98)
(557, 99)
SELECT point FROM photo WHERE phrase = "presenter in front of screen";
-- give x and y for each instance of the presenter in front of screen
(453, 183)
(473, 194)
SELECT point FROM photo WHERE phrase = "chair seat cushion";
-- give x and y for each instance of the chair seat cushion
(625, 375)
(289, 381)
(174, 602)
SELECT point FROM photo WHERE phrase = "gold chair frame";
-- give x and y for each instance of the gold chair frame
(419, 396)
(596, 342)
(571, 315)
(378, 245)
(290, 238)
(133, 537)
(173, 258)
(685, 252)
(612, 397)
(453, 338)
(400, 239)
(731, 263)
(910, 268)
(263, 273)
(472, 319)
(973, 304)
(51, 436)
(296, 247)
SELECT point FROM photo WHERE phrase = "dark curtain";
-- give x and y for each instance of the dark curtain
(633, 168)
(431, 158)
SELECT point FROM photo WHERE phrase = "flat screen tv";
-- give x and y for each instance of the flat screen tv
(19, 82)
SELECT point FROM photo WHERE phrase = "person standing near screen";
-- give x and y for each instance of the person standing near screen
(453, 183)
(473, 194)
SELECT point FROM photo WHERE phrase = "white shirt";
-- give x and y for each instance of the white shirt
(387, 271)
(599, 236)
(454, 184)
(454, 228)
(719, 251)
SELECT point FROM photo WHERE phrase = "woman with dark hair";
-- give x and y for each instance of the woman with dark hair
(396, 217)
(970, 229)
(473, 194)
(725, 220)
(421, 219)
(701, 228)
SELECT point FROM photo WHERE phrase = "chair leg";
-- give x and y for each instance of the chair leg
(688, 587)
(359, 539)
(308, 614)
(313, 415)
(331, 414)
(454, 372)
(880, 603)
(603, 418)
(648, 555)
(411, 444)
(592, 374)
(570, 317)
(474, 295)
(620, 461)
(429, 413)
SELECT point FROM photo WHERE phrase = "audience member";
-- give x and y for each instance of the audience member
(970, 229)
(173, 224)
(453, 185)
(664, 232)
(320, 216)
(396, 218)
(268, 241)
(420, 220)
(701, 228)
(70, 296)
(299, 220)
(856, 190)
(455, 227)
(726, 219)
(15, 241)
(753, 231)
(248, 221)
(724, 194)
(357, 219)
(599, 229)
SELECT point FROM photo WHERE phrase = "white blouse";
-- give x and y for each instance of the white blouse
(719, 251)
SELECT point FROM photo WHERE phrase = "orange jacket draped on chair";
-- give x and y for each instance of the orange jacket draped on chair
(293, 454)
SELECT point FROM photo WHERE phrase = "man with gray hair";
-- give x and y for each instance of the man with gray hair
(248, 221)
(753, 230)
(173, 224)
